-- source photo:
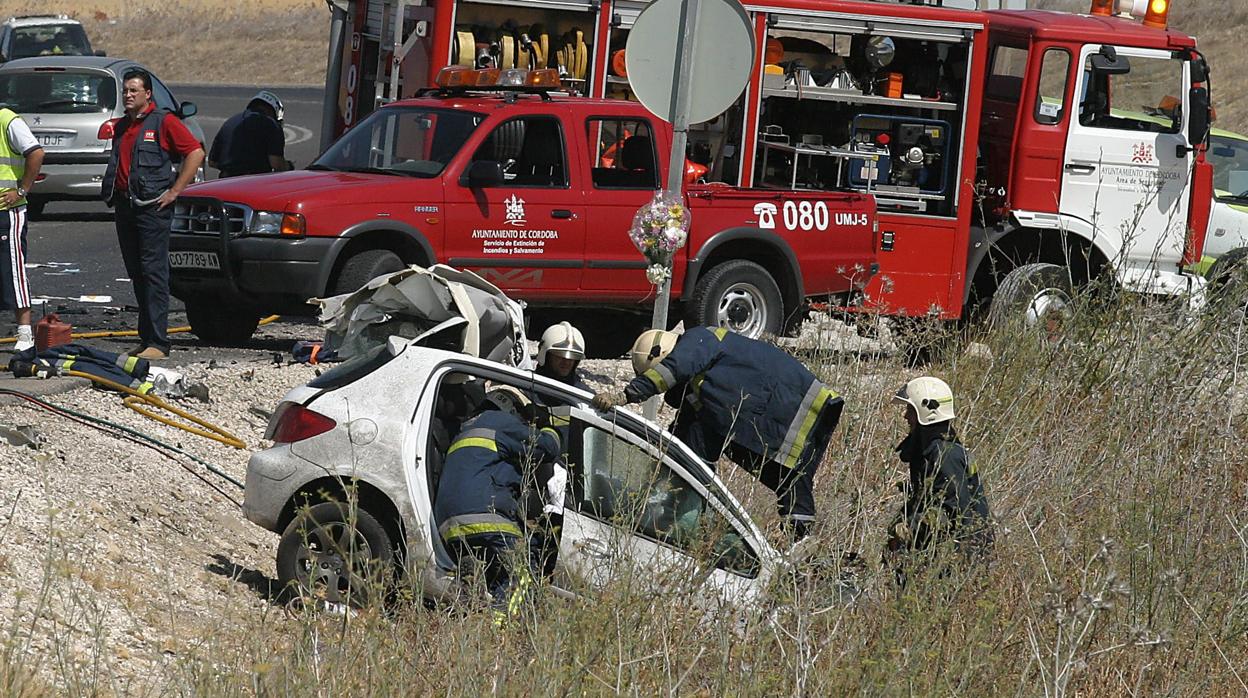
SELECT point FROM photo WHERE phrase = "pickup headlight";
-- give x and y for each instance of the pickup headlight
(277, 224)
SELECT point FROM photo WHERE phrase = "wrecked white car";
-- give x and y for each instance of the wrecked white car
(350, 482)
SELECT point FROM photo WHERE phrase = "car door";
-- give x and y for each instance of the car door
(526, 235)
(1127, 164)
(635, 514)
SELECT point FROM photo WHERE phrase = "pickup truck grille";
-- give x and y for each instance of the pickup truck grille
(210, 217)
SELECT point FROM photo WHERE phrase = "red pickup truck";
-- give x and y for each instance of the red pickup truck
(536, 194)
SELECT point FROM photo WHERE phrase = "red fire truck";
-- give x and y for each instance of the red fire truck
(1019, 151)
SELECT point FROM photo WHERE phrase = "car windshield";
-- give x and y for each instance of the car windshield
(59, 92)
(50, 40)
(1229, 157)
(411, 141)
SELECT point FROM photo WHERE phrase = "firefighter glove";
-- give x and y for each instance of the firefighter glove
(604, 401)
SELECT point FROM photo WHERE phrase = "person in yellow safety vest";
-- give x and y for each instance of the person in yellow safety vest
(21, 156)
(478, 507)
(741, 398)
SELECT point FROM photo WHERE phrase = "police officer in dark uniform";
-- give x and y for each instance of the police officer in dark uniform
(945, 499)
(478, 503)
(141, 185)
(252, 141)
(741, 398)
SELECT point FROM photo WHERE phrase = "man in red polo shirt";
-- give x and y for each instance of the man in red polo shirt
(141, 184)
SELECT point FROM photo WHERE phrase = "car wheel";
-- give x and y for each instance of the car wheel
(216, 324)
(739, 295)
(1035, 296)
(363, 267)
(335, 553)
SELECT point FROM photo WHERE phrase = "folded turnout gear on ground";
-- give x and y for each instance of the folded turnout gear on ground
(313, 353)
(439, 307)
(125, 370)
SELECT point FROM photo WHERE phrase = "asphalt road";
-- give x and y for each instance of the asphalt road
(73, 246)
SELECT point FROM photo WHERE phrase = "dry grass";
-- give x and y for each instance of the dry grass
(1114, 462)
(275, 42)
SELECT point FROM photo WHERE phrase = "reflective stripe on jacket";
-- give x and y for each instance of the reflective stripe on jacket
(12, 162)
(482, 477)
(741, 390)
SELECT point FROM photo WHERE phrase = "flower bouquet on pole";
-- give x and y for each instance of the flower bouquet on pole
(659, 229)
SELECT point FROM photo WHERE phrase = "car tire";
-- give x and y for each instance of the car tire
(739, 295)
(1029, 294)
(363, 267)
(335, 553)
(219, 325)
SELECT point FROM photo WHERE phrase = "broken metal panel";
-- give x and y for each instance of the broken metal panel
(438, 307)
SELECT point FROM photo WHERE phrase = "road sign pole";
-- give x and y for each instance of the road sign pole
(685, 39)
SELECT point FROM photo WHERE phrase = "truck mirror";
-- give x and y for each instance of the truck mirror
(187, 109)
(483, 174)
(1199, 69)
(1198, 123)
(1108, 62)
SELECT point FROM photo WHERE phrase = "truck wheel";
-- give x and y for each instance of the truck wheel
(216, 324)
(335, 553)
(739, 295)
(1227, 275)
(1034, 295)
(363, 267)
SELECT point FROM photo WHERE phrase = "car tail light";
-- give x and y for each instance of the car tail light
(293, 422)
(108, 130)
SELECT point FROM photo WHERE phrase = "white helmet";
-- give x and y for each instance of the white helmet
(562, 340)
(272, 100)
(930, 397)
(652, 347)
(510, 399)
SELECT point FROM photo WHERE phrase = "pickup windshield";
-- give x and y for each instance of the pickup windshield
(405, 141)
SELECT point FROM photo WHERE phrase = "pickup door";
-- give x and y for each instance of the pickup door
(526, 235)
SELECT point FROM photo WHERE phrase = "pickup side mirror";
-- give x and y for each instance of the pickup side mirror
(1108, 62)
(483, 174)
(187, 110)
(1198, 122)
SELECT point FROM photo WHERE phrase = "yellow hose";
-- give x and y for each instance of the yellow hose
(135, 399)
(129, 333)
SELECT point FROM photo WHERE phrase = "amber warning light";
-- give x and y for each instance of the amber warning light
(1155, 12)
(456, 76)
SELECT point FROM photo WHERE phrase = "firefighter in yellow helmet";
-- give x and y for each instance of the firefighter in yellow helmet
(744, 399)
(945, 499)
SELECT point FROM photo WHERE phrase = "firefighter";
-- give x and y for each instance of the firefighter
(560, 352)
(477, 507)
(252, 141)
(741, 398)
(945, 500)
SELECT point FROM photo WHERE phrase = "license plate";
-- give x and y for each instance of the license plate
(51, 140)
(194, 260)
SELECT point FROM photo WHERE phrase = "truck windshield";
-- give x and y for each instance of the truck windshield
(410, 141)
(1229, 157)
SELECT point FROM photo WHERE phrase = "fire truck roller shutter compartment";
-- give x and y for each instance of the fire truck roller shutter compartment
(558, 34)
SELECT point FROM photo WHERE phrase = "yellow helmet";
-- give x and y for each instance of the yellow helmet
(930, 397)
(651, 348)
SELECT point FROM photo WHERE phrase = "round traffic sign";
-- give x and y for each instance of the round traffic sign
(721, 57)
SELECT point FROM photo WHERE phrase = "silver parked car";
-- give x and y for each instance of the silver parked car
(65, 100)
(350, 481)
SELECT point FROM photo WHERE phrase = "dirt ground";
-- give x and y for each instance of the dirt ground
(274, 42)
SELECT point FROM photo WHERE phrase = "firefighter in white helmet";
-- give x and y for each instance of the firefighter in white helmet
(945, 499)
(560, 353)
(252, 141)
(742, 398)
